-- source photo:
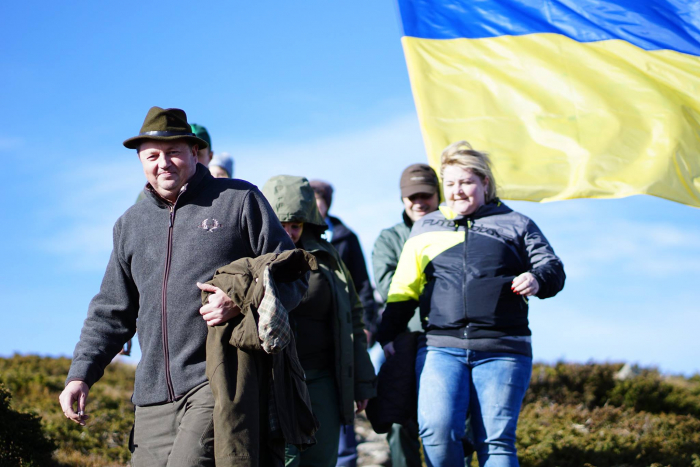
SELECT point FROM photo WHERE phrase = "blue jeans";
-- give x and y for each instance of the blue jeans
(347, 447)
(491, 385)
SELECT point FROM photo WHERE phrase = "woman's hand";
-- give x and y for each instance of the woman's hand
(389, 349)
(525, 284)
(361, 405)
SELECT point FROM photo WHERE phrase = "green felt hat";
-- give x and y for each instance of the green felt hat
(165, 125)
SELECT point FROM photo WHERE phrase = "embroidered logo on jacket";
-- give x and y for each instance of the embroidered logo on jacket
(209, 226)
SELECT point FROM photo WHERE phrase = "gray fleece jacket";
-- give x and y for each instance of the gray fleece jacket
(160, 252)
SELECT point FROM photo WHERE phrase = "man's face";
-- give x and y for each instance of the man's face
(168, 165)
(204, 156)
(322, 206)
(419, 204)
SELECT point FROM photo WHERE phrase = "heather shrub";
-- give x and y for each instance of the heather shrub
(650, 392)
(595, 385)
(22, 441)
(568, 383)
(573, 415)
(581, 415)
(568, 435)
(36, 383)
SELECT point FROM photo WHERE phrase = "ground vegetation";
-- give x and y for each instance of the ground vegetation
(597, 415)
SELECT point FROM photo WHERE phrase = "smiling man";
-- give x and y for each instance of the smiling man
(420, 194)
(165, 247)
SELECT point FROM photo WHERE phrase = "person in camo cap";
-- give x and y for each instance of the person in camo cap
(327, 325)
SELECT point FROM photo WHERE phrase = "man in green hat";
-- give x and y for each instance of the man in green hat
(204, 150)
(165, 248)
(204, 155)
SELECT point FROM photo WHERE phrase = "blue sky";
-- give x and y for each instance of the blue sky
(308, 88)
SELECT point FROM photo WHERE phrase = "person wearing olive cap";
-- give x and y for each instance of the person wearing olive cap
(165, 248)
(420, 194)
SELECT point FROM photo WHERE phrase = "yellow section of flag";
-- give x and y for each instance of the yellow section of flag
(563, 119)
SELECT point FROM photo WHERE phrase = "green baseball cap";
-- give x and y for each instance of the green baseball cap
(201, 132)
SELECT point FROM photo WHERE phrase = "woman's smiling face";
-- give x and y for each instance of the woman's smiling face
(465, 191)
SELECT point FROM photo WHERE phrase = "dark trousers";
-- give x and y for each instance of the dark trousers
(324, 403)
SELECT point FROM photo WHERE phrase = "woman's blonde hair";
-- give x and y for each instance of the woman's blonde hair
(463, 155)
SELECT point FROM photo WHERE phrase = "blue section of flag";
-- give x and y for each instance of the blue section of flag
(648, 24)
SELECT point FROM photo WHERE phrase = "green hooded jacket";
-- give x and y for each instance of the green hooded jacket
(293, 200)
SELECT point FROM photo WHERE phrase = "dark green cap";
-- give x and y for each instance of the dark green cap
(201, 132)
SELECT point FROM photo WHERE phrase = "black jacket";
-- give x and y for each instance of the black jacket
(397, 394)
(460, 269)
(348, 246)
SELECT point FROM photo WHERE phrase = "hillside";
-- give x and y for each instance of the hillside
(35, 383)
(574, 415)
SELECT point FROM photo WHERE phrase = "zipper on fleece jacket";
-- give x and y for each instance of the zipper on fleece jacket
(464, 269)
(164, 317)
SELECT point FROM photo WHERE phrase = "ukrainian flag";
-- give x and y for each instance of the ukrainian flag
(572, 98)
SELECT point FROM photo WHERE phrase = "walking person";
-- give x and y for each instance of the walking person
(204, 154)
(221, 165)
(346, 242)
(327, 324)
(471, 267)
(420, 194)
(165, 248)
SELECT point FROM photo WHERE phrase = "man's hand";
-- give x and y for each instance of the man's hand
(389, 349)
(75, 391)
(361, 405)
(220, 307)
(525, 284)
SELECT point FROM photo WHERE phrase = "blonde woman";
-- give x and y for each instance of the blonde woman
(471, 267)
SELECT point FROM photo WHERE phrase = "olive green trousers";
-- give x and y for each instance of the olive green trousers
(175, 434)
(324, 403)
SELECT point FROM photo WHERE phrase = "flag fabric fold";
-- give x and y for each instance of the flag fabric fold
(572, 98)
